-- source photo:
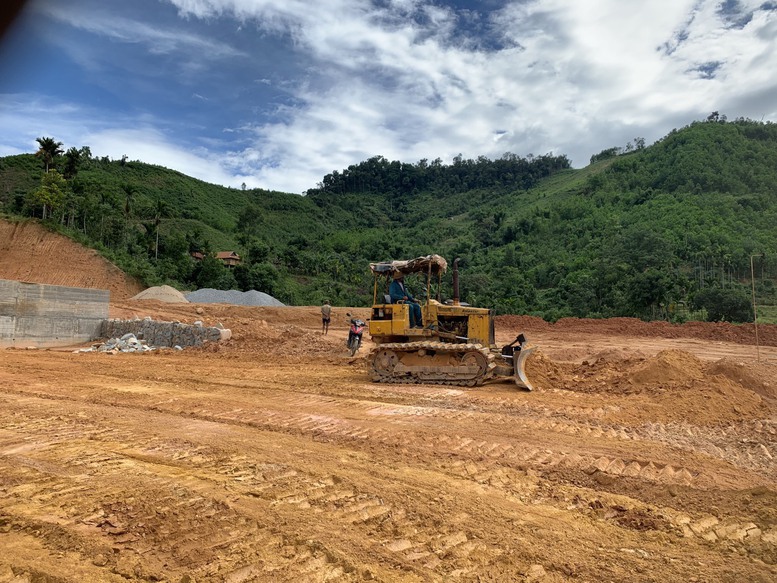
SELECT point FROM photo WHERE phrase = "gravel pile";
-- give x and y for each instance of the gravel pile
(162, 293)
(216, 296)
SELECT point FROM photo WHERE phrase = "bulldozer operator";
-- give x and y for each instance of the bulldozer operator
(401, 295)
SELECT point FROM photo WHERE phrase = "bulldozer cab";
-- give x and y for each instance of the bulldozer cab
(391, 319)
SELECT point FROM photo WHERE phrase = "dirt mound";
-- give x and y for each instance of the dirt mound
(526, 324)
(31, 253)
(162, 293)
(760, 377)
(714, 331)
(545, 373)
(673, 385)
(669, 366)
(290, 341)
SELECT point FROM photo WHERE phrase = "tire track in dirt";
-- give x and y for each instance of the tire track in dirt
(392, 530)
(749, 444)
(330, 426)
(327, 422)
(188, 524)
(500, 449)
(193, 493)
(283, 485)
(185, 511)
(744, 452)
(730, 531)
(753, 456)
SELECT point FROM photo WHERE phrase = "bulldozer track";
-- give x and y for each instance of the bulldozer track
(750, 454)
(475, 364)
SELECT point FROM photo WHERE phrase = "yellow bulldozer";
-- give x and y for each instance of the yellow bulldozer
(453, 345)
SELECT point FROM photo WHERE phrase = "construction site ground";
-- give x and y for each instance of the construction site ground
(646, 453)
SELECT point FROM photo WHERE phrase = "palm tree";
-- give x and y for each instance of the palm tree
(48, 151)
(160, 211)
(103, 207)
(129, 190)
(72, 162)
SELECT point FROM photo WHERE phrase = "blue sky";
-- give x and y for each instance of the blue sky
(277, 93)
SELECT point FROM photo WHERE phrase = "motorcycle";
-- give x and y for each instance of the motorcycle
(354, 341)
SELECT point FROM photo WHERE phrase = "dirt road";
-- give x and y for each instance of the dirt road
(271, 458)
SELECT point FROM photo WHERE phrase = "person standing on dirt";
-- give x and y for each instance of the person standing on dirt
(401, 295)
(326, 317)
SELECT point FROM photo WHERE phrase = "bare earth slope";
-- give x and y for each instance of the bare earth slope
(271, 458)
(29, 252)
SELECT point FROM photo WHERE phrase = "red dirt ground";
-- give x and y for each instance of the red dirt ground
(645, 454)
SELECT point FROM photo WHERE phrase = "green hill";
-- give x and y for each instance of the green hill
(666, 231)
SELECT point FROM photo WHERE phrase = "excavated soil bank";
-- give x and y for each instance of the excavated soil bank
(29, 252)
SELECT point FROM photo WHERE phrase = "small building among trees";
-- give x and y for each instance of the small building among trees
(228, 258)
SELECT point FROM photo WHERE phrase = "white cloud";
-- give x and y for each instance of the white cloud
(124, 30)
(407, 90)
(25, 117)
(409, 81)
(76, 127)
(149, 145)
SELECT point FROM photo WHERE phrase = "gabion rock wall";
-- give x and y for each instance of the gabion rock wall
(155, 333)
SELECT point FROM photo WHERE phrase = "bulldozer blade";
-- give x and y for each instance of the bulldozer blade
(520, 373)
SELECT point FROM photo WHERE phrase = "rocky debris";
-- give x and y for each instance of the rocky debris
(162, 293)
(127, 343)
(216, 296)
(142, 335)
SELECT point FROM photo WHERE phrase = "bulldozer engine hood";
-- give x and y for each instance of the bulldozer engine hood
(435, 263)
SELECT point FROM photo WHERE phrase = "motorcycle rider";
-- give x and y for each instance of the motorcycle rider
(401, 295)
(355, 333)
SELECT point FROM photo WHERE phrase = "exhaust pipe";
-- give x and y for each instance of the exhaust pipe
(456, 282)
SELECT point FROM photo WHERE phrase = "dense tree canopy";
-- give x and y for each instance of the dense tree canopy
(664, 231)
(397, 179)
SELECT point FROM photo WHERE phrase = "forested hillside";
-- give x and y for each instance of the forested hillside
(665, 231)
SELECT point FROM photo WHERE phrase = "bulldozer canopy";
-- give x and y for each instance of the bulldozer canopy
(435, 263)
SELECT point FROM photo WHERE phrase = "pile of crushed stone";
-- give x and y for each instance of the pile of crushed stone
(162, 293)
(216, 296)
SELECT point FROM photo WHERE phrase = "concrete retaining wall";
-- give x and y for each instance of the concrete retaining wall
(33, 314)
(155, 333)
